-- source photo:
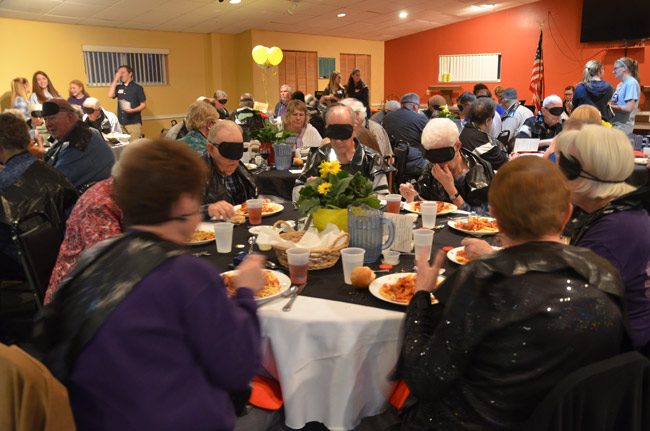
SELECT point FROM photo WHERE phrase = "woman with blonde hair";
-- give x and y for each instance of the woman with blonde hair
(296, 119)
(20, 95)
(78, 93)
(625, 101)
(593, 90)
(615, 224)
(334, 90)
(201, 116)
(42, 87)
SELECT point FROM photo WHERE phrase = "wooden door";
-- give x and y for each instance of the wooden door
(299, 69)
(361, 62)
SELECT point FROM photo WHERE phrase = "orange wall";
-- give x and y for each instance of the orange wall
(411, 62)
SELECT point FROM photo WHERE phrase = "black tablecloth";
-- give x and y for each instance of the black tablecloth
(328, 283)
(639, 177)
(276, 183)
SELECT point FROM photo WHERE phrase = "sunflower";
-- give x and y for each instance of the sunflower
(335, 167)
(324, 188)
(324, 169)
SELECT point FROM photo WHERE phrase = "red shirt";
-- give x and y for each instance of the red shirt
(94, 218)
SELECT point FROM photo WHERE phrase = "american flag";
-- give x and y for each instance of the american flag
(537, 77)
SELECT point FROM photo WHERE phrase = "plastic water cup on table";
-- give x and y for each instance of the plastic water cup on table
(393, 202)
(422, 242)
(223, 236)
(298, 259)
(428, 211)
(254, 211)
(351, 257)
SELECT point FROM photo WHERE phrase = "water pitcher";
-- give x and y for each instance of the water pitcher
(366, 229)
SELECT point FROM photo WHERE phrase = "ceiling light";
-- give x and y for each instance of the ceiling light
(403, 14)
(486, 5)
(341, 15)
(234, 1)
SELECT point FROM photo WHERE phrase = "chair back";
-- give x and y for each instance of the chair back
(613, 394)
(37, 240)
(400, 154)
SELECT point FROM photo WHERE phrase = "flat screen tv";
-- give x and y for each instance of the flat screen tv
(607, 20)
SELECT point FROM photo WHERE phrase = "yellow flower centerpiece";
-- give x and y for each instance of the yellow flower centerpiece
(326, 198)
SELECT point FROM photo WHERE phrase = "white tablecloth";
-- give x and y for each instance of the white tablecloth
(333, 360)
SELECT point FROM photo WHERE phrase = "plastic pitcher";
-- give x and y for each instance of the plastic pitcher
(366, 229)
(283, 156)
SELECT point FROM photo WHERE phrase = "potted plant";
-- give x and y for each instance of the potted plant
(268, 136)
(327, 198)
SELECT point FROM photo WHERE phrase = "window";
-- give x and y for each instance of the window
(101, 62)
(470, 68)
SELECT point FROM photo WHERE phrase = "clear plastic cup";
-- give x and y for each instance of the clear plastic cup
(351, 257)
(422, 242)
(254, 211)
(298, 259)
(428, 211)
(223, 236)
(391, 257)
(393, 202)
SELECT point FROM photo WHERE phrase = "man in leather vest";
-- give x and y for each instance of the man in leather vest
(229, 183)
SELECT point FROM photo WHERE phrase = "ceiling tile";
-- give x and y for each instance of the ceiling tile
(34, 6)
(73, 9)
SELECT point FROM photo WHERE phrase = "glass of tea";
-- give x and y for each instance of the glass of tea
(298, 259)
(254, 211)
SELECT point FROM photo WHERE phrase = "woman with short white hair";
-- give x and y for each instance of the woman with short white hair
(597, 160)
(454, 174)
(369, 133)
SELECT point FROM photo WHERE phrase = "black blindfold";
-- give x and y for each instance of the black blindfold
(37, 114)
(555, 111)
(88, 110)
(339, 131)
(231, 150)
(440, 155)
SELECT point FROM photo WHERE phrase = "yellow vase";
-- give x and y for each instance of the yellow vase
(338, 216)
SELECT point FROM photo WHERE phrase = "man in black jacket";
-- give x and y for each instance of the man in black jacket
(229, 182)
(27, 186)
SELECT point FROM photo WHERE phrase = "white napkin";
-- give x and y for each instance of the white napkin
(312, 239)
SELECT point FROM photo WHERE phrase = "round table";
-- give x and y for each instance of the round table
(276, 183)
(335, 351)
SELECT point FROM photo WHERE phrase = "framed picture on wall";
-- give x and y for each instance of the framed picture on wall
(326, 65)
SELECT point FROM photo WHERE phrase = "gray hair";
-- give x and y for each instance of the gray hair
(553, 98)
(391, 105)
(356, 106)
(218, 127)
(220, 94)
(338, 106)
(92, 102)
(603, 152)
(439, 133)
(509, 94)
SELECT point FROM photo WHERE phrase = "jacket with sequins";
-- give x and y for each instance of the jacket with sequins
(508, 328)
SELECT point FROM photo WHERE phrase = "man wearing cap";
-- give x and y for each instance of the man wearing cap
(131, 101)
(78, 152)
(221, 98)
(514, 117)
(406, 124)
(229, 183)
(389, 106)
(27, 186)
(547, 123)
(344, 147)
(454, 174)
(98, 118)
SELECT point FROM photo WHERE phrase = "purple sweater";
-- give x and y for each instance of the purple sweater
(623, 238)
(168, 355)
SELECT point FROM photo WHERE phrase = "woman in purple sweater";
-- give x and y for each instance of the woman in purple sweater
(144, 335)
(597, 160)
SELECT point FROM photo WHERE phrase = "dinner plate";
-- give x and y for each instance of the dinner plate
(375, 286)
(453, 255)
(447, 207)
(250, 166)
(283, 279)
(204, 227)
(276, 208)
(641, 160)
(255, 230)
(454, 224)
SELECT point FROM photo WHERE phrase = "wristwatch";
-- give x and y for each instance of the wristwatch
(454, 197)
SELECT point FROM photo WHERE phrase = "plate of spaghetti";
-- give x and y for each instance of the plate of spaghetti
(474, 225)
(459, 255)
(443, 207)
(397, 288)
(268, 208)
(204, 234)
(276, 283)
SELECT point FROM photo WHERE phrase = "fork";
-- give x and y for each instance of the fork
(284, 294)
(289, 304)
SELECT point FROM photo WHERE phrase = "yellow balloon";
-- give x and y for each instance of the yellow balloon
(260, 54)
(275, 55)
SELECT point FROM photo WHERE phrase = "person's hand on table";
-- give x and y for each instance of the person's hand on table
(408, 192)
(250, 273)
(222, 210)
(475, 247)
(427, 275)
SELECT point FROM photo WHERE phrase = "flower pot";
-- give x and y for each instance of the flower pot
(338, 216)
